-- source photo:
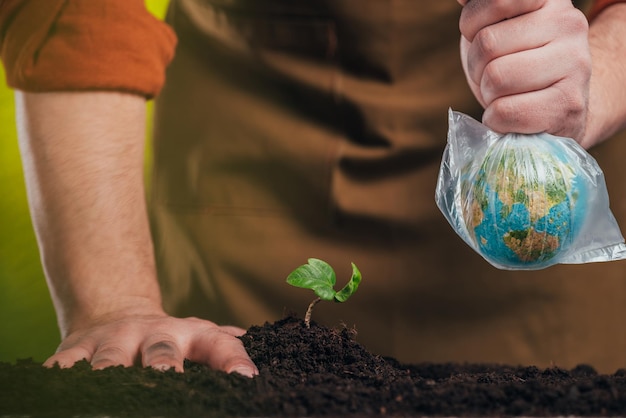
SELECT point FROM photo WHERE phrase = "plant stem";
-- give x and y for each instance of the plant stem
(307, 316)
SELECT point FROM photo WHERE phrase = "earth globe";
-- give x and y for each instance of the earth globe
(523, 204)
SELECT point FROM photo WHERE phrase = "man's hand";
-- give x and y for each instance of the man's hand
(528, 63)
(157, 341)
(83, 164)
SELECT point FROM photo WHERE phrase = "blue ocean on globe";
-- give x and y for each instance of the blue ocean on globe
(524, 204)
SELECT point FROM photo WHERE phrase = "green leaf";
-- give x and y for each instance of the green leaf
(320, 277)
(325, 293)
(317, 275)
(325, 270)
(351, 287)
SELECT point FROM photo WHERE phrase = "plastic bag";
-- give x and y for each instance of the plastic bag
(525, 202)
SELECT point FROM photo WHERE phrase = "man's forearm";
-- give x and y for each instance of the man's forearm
(607, 101)
(83, 164)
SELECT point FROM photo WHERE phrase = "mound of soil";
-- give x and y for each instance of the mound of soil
(307, 372)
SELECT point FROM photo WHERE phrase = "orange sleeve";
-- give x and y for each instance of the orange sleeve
(600, 5)
(73, 45)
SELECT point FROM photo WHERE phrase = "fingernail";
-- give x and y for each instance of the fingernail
(244, 371)
(162, 367)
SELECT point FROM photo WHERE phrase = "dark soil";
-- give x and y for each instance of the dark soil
(306, 372)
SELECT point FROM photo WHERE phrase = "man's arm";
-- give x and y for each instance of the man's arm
(83, 163)
(607, 101)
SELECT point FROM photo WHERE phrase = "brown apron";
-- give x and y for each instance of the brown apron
(291, 129)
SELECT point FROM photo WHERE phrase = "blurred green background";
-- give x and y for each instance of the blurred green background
(28, 325)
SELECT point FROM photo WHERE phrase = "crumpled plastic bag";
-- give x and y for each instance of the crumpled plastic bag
(525, 202)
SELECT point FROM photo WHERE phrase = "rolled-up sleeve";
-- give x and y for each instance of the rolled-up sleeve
(74, 45)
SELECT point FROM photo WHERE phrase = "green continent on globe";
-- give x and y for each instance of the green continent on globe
(531, 245)
(520, 203)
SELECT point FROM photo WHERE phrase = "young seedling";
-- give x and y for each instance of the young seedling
(320, 277)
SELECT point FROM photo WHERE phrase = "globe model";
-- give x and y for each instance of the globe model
(524, 203)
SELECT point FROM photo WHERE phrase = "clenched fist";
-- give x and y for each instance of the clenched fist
(528, 63)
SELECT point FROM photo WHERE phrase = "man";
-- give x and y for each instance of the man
(295, 129)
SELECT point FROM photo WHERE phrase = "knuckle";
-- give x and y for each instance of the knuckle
(493, 81)
(110, 350)
(110, 355)
(163, 345)
(503, 113)
(499, 6)
(223, 342)
(572, 102)
(486, 44)
(575, 20)
(568, 126)
(161, 352)
(576, 104)
(162, 349)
